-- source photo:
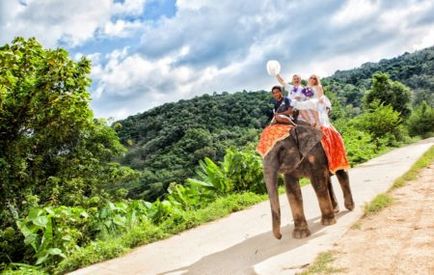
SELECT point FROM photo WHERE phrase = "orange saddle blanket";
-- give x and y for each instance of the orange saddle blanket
(331, 142)
(270, 136)
(334, 149)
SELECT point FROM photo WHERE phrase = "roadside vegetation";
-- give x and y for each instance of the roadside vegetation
(322, 265)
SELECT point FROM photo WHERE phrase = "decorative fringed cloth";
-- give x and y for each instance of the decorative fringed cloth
(270, 136)
(334, 148)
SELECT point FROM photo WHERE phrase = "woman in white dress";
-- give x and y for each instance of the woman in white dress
(318, 104)
(332, 141)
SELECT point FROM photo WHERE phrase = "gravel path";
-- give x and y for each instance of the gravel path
(398, 240)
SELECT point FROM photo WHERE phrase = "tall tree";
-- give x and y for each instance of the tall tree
(50, 144)
(389, 92)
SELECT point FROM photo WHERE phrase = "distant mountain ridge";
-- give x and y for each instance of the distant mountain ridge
(416, 70)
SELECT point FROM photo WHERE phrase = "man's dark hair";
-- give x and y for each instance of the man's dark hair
(276, 88)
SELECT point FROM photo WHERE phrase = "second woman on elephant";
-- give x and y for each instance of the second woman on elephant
(332, 141)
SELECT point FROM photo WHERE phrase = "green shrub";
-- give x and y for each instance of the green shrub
(22, 269)
(244, 170)
(388, 92)
(239, 171)
(421, 121)
(117, 217)
(212, 177)
(193, 195)
(52, 233)
(160, 211)
(359, 145)
(382, 122)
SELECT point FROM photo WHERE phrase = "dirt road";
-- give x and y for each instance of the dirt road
(398, 240)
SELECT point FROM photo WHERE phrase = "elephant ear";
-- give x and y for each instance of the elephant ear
(306, 137)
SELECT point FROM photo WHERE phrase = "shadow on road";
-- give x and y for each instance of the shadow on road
(241, 257)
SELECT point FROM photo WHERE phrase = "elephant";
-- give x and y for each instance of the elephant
(302, 155)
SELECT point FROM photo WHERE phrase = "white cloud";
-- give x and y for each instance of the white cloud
(72, 21)
(355, 10)
(426, 41)
(129, 7)
(192, 4)
(121, 28)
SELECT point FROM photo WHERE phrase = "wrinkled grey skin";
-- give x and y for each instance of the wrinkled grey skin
(308, 160)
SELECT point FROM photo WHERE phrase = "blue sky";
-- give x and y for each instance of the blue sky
(148, 52)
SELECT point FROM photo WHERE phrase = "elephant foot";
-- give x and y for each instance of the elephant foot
(336, 209)
(299, 233)
(349, 205)
(328, 220)
(277, 234)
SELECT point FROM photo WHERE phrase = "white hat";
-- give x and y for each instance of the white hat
(273, 67)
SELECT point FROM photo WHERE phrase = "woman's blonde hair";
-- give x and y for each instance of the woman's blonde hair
(316, 78)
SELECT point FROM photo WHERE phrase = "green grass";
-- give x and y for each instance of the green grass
(411, 174)
(147, 232)
(322, 265)
(380, 202)
(22, 269)
(357, 226)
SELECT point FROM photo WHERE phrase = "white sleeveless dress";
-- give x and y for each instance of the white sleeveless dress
(315, 104)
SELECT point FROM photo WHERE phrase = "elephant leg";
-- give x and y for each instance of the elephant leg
(332, 196)
(270, 176)
(344, 181)
(295, 198)
(320, 185)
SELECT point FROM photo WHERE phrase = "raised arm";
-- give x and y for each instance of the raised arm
(281, 80)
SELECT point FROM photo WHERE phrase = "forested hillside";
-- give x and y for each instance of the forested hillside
(167, 142)
(416, 70)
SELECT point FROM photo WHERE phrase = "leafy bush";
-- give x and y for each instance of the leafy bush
(240, 170)
(244, 169)
(53, 232)
(381, 122)
(421, 121)
(213, 177)
(389, 92)
(193, 195)
(359, 145)
(117, 217)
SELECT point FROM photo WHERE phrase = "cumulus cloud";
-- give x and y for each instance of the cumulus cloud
(72, 22)
(141, 61)
(129, 7)
(68, 23)
(121, 28)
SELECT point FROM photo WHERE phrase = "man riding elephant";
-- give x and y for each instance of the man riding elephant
(282, 110)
